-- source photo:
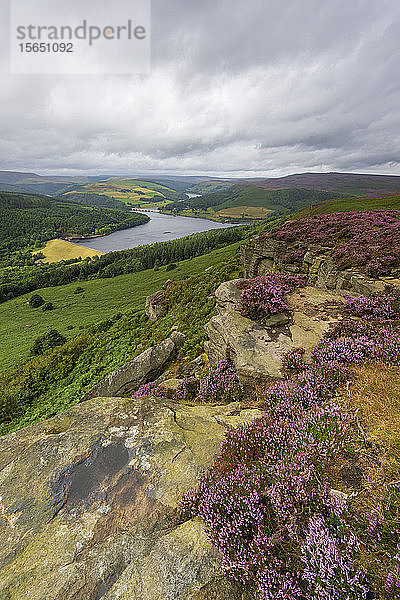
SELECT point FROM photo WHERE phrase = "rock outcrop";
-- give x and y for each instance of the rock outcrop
(263, 254)
(143, 368)
(89, 503)
(256, 350)
(154, 303)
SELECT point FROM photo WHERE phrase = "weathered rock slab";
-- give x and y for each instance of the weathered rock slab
(89, 502)
(142, 369)
(256, 350)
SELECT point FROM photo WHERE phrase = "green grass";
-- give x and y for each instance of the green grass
(146, 184)
(20, 324)
(348, 204)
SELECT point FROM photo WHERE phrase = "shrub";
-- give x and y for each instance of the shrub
(48, 341)
(48, 306)
(381, 307)
(293, 360)
(79, 290)
(265, 296)
(36, 301)
(171, 267)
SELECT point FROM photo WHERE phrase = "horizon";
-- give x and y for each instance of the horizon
(170, 175)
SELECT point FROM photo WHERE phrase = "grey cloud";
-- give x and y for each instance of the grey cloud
(263, 87)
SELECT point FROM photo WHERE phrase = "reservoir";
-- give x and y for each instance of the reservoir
(159, 229)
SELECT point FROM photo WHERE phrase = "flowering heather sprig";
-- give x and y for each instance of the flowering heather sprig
(151, 389)
(265, 296)
(366, 239)
(221, 384)
(187, 390)
(328, 564)
(293, 360)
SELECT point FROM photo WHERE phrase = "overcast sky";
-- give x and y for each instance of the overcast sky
(250, 87)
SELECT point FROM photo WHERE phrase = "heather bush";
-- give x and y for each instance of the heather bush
(151, 389)
(293, 360)
(187, 390)
(264, 487)
(381, 307)
(265, 296)
(220, 385)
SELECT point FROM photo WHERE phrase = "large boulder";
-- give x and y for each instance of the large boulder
(89, 503)
(142, 369)
(256, 350)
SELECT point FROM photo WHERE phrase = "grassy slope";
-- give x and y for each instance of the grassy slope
(48, 384)
(56, 250)
(20, 324)
(375, 393)
(347, 204)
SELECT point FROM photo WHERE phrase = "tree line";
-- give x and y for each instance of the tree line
(31, 220)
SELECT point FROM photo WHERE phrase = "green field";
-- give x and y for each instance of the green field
(347, 204)
(20, 324)
(56, 250)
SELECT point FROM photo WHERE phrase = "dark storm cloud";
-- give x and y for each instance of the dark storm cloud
(259, 86)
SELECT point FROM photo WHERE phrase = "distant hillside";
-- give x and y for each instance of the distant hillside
(27, 220)
(237, 200)
(15, 176)
(346, 204)
(348, 184)
(16, 181)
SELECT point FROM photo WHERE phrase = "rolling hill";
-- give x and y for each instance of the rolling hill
(249, 202)
(348, 184)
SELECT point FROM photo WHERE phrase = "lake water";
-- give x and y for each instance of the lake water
(159, 229)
